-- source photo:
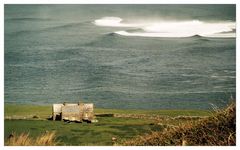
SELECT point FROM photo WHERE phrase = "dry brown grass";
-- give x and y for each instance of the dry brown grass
(218, 129)
(46, 139)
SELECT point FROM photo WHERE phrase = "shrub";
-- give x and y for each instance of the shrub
(218, 129)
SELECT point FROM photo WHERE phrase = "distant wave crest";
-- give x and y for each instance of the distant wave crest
(170, 28)
(113, 22)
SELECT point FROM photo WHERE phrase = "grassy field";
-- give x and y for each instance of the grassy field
(82, 134)
(99, 133)
(45, 111)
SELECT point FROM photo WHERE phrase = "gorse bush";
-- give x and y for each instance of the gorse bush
(46, 139)
(218, 129)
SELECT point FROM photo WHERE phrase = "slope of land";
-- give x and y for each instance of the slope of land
(218, 129)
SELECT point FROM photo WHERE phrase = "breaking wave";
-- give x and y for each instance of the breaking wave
(114, 22)
(170, 28)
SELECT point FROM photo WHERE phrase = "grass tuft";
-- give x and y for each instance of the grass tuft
(46, 139)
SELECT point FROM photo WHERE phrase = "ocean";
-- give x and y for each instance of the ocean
(120, 56)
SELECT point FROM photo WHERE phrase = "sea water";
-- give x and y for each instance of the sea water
(120, 56)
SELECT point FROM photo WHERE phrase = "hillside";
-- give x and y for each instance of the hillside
(218, 129)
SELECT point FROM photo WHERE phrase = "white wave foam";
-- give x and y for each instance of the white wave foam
(171, 28)
(187, 28)
(152, 34)
(113, 22)
(223, 35)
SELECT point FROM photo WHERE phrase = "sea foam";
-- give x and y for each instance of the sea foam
(163, 28)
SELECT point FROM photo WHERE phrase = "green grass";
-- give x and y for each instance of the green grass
(27, 110)
(171, 113)
(99, 133)
(45, 111)
(83, 133)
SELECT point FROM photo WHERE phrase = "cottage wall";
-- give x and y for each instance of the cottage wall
(73, 112)
(88, 111)
(56, 110)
